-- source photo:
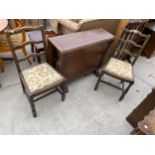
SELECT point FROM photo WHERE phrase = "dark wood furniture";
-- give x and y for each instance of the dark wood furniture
(80, 53)
(37, 48)
(40, 80)
(137, 24)
(149, 50)
(147, 125)
(142, 109)
(117, 67)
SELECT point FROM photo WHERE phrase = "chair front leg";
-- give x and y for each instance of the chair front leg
(34, 112)
(23, 87)
(98, 81)
(125, 91)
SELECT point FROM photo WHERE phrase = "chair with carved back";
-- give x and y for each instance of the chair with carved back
(40, 80)
(19, 38)
(119, 68)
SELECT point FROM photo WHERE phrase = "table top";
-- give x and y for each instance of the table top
(148, 124)
(3, 24)
(80, 39)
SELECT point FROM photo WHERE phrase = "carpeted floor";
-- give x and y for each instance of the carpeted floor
(85, 111)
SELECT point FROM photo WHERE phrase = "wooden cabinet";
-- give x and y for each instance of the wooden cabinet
(149, 49)
(79, 53)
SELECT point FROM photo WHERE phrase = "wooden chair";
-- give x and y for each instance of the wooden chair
(19, 38)
(38, 81)
(119, 68)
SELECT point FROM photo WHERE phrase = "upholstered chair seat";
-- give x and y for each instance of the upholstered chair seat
(120, 68)
(40, 77)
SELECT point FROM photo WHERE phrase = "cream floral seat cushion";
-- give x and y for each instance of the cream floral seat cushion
(41, 76)
(120, 69)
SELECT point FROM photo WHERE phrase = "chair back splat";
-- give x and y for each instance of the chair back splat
(14, 47)
(131, 45)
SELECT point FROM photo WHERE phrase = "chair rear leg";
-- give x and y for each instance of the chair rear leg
(38, 57)
(64, 90)
(32, 49)
(63, 96)
(125, 91)
(25, 53)
(98, 81)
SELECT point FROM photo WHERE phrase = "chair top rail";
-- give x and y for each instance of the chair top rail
(136, 32)
(25, 28)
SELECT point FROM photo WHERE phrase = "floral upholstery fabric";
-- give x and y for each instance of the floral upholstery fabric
(119, 68)
(41, 76)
